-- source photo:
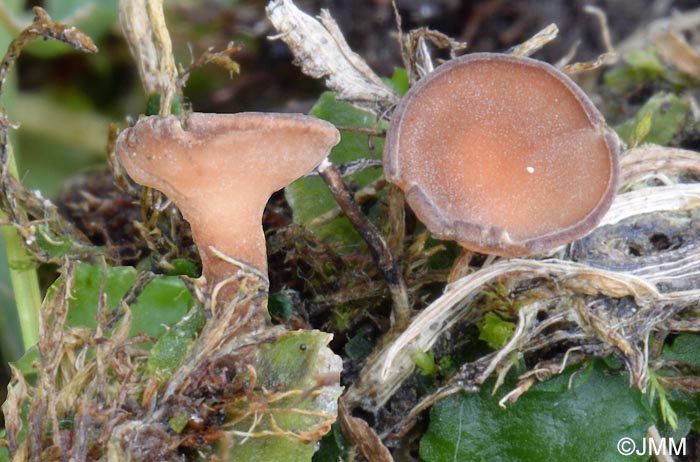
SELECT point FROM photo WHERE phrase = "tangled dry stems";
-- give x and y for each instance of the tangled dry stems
(93, 387)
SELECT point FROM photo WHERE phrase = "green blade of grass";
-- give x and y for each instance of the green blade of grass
(21, 266)
(25, 283)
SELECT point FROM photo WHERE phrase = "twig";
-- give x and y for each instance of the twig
(352, 167)
(385, 259)
(362, 130)
(42, 27)
(399, 35)
(386, 370)
(397, 220)
(650, 200)
(22, 272)
(221, 58)
(420, 62)
(361, 196)
(143, 23)
(604, 29)
(362, 436)
(605, 59)
(535, 43)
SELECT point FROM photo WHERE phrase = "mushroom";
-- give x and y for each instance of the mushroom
(220, 170)
(505, 155)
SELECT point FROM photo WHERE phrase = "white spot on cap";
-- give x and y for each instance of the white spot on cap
(530, 169)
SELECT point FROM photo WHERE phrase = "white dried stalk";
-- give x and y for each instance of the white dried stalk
(649, 200)
(526, 316)
(651, 159)
(424, 63)
(534, 44)
(602, 18)
(605, 59)
(678, 269)
(385, 372)
(143, 24)
(322, 52)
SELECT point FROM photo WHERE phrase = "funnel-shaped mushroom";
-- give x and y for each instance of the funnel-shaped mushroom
(220, 170)
(505, 155)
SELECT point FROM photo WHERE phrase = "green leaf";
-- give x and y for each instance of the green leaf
(11, 344)
(58, 246)
(620, 79)
(173, 345)
(398, 81)
(333, 447)
(294, 362)
(290, 362)
(25, 364)
(178, 422)
(86, 290)
(646, 61)
(358, 347)
(583, 424)
(280, 305)
(641, 130)
(641, 66)
(495, 331)
(310, 198)
(687, 407)
(685, 348)
(184, 267)
(668, 113)
(566, 382)
(425, 361)
(668, 415)
(164, 301)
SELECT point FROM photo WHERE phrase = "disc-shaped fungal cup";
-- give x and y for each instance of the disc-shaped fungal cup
(502, 154)
(220, 170)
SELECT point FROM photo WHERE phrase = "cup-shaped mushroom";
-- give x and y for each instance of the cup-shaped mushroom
(504, 155)
(220, 170)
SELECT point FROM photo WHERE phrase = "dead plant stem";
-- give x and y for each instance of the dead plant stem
(22, 272)
(381, 253)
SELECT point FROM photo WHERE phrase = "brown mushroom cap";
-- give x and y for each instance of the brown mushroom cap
(505, 155)
(221, 169)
